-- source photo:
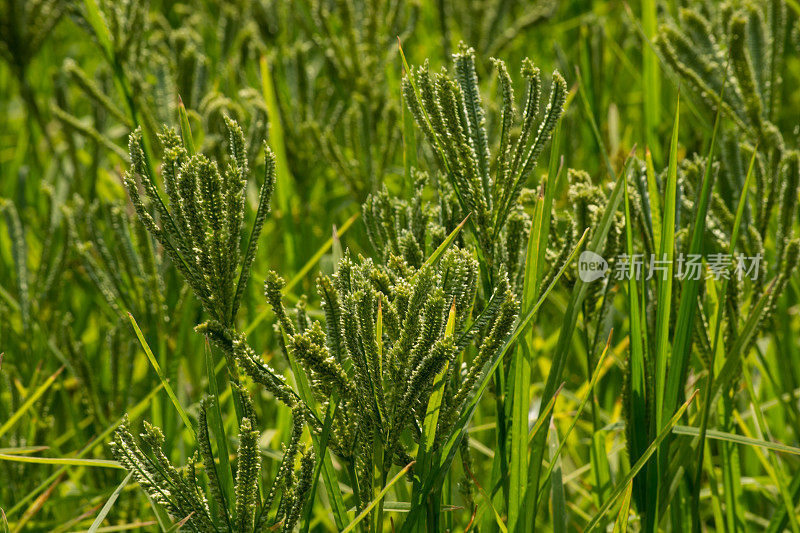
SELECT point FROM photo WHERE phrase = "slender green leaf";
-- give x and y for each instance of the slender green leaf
(108, 505)
(102, 463)
(377, 498)
(623, 484)
(186, 129)
(161, 375)
(29, 401)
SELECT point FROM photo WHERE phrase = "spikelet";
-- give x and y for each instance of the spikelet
(247, 476)
(19, 251)
(301, 491)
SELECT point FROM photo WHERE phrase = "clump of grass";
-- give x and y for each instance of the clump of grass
(654, 404)
(200, 228)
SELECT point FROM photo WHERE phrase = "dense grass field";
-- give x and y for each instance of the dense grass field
(399, 266)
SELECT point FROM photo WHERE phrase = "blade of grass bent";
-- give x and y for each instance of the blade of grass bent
(622, 485)
(377, 499)
(737, 439)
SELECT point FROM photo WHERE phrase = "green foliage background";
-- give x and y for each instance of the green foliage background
(321, 83)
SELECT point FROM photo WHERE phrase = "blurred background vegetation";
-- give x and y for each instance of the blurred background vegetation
(320, 81)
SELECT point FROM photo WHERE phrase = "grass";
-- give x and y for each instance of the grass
(516, 395)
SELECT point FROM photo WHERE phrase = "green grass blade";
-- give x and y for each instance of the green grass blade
(651, 80)
(23, 450)
(100, 463)
(186, 129)
(435, 401)
(636, 364)
(161, 375)
(621, 525)
(557, 484)
(226, 474)
(780, 517)
(686, 311)
(442, 248)
(623, 484)
(29, 401)
(95, 19)
(548, 409)
(377, 498)
(284, 183)
(666, 252)
(318, 255)
(521, 375)
(179, 524)
(108, 505)
(737, 439)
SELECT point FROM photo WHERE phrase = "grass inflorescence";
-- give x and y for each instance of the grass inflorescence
(366, 266)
